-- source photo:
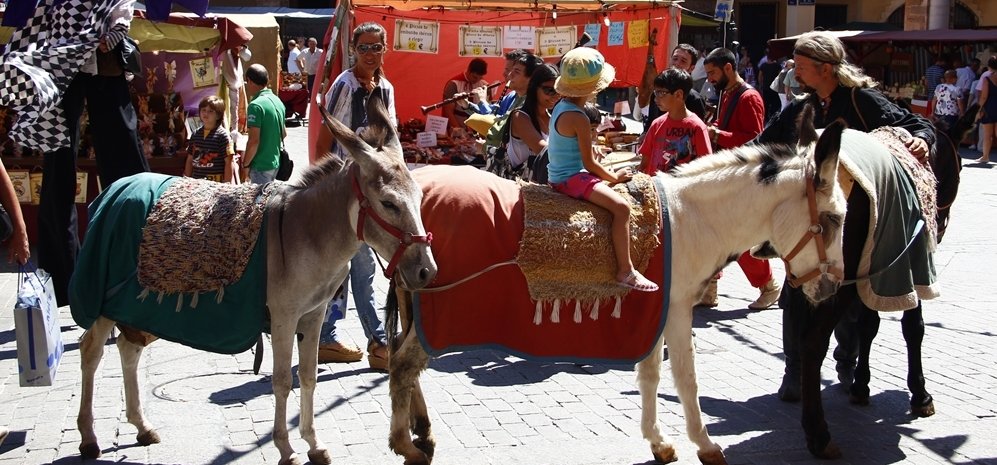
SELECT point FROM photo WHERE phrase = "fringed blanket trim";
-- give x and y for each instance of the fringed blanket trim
(924, 179)
(199, 238)
(566, 253)
(577, 313)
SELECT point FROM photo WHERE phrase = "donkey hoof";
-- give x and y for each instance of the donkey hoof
(858, 399)
(830, 452)
(923, 411)
(292, 460)
(148, 438)
(90, 451)
(319, 457)
(789, 391)
(427, 446)
(713, 457)
(424, 460)
(664, 453)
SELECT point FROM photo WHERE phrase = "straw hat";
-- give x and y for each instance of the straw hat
(584, 71)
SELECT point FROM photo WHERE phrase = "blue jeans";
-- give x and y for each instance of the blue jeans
(262, 177)
(361, 280)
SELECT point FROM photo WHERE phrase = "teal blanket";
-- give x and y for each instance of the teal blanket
(105, 281)
(892, 223)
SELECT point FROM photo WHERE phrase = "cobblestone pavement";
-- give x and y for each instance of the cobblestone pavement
(490, 408)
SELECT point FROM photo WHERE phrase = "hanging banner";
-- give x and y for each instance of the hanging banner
(615, 36)
(523, 37)
(555, 41)
(593, 30)
(637, 34)
(417, 36)
(480, 41)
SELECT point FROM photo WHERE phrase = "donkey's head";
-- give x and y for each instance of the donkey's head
(389, 218)
(807, 229)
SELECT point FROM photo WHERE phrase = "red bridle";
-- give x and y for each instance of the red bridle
(405, 239)
(815, 232)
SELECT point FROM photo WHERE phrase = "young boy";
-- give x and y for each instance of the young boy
(209, 154)
(678, 136)
(948, 100)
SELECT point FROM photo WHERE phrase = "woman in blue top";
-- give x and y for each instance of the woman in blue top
(572, 169)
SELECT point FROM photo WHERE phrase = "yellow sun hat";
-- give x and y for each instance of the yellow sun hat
(584, 71)
(480, 123)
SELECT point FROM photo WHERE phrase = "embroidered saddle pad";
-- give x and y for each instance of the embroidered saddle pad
(199, 236)
(105, 281)
(477, 221)
(567, 253)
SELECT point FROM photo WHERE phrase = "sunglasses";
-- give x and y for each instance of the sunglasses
(662, 92)
(370, 48)
(549, 90)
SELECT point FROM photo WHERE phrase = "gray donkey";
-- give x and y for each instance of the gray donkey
(314, 226)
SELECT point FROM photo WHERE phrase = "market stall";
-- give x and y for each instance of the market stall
(181, 65)
(898, 59)
(430, 41)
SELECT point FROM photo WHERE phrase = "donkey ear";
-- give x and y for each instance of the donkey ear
(380, 122)
(826, 153)
(805, 125)
(359, 150)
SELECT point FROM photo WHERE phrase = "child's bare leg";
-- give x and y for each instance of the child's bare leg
(605, 197)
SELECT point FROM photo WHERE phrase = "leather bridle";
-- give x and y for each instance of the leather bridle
(405, 239)
(815, 232)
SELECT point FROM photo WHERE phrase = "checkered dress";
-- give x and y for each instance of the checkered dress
(40, 62)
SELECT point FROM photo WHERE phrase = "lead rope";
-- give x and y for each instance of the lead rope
(457, 283)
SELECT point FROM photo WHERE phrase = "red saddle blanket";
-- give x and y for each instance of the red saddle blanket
(477, 221)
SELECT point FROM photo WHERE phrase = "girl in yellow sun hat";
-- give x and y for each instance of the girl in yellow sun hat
(573, 171)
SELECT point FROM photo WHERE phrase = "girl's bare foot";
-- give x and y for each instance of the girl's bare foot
(982, 160)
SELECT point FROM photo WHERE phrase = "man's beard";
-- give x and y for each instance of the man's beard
(722, 82)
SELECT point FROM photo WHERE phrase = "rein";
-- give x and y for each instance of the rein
(815, 232)
(917, 231)
(405, 239)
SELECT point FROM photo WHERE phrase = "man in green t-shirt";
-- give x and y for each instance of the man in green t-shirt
(265, 118)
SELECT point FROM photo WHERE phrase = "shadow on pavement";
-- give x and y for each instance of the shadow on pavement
(490, 368)
(866, 434)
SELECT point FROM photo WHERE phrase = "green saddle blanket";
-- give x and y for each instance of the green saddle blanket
(105, 281)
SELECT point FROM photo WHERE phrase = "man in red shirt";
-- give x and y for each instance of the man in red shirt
(740, 118)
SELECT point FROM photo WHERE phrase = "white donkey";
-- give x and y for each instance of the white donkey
(781, 197)
(314, 227)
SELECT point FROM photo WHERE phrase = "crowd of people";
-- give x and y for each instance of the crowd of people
(546, 114)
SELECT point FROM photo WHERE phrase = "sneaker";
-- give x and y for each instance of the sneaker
(709, 298)
(769, 296)
(337, 352)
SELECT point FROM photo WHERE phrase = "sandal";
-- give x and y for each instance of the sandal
(377, 356)
(638, 282)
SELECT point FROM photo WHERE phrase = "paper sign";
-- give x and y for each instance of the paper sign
(21, 179)
(417, 36)
(615, 36)
(202, 72)
(480, 41)
(425, 139)
(637, 36)
(593, 31)
(81, 187)
(35, 181)
(723, 10)
(436, 125)
(523, 37)
(555, 41)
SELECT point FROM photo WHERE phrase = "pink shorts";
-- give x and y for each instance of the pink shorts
(578, 186)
